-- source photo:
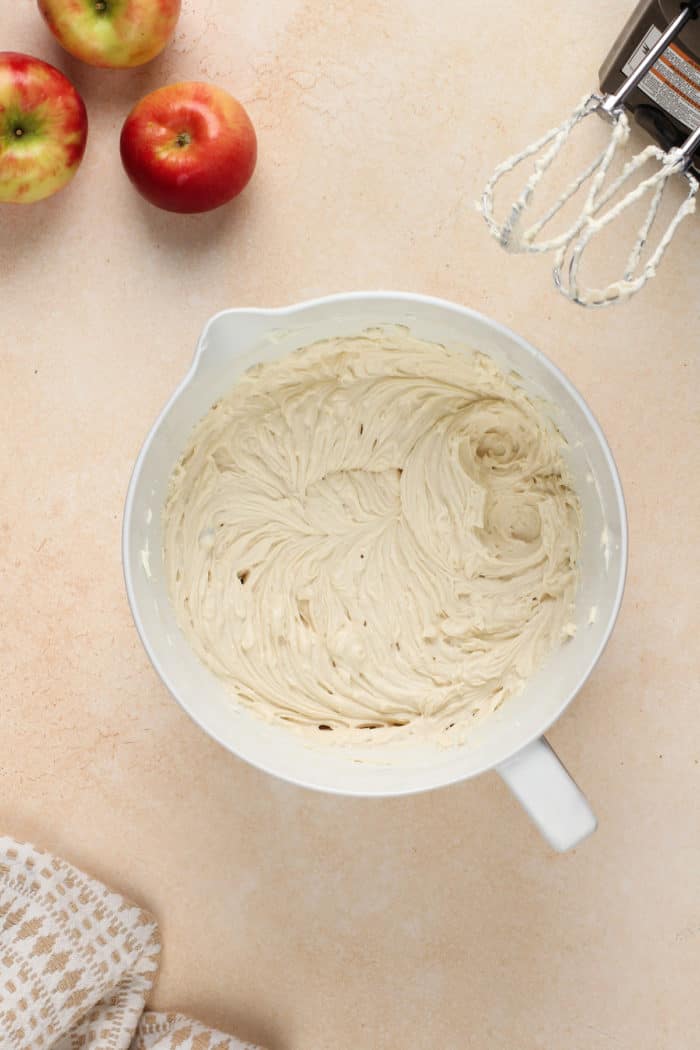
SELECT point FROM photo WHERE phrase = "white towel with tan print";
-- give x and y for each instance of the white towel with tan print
(77, 963)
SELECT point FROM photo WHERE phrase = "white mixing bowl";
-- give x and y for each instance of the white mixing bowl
(511, 741)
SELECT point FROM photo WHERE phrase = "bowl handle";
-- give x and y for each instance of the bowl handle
(549, 795)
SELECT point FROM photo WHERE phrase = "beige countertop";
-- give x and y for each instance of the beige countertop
(439, 922)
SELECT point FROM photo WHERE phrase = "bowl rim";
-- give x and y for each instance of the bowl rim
(376, 296)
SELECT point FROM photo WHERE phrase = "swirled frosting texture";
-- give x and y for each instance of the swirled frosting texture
(373, 532)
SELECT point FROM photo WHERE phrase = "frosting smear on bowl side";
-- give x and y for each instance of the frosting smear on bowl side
(373, 532)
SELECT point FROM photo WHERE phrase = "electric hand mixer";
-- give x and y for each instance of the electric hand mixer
(666, 101)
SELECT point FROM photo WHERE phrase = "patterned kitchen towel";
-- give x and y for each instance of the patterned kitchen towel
(77, 963)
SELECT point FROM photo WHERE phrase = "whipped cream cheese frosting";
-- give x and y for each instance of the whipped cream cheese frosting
(373, 532)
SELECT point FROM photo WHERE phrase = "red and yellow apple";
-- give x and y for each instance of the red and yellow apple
(189, 147)
(113, 33)
(43, 129)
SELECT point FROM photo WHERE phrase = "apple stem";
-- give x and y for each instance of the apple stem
(19, 132)
(183, 138)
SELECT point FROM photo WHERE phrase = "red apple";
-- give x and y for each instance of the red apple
(43, 129)
(113, 33)
(189, 147)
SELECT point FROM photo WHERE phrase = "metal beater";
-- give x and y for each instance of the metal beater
(570, 245)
